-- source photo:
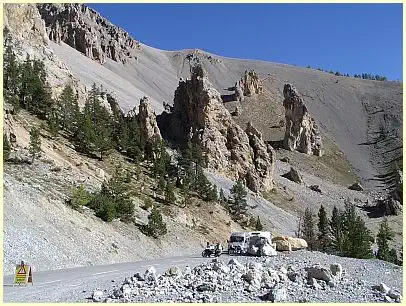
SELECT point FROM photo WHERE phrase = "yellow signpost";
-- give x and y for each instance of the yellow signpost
(23, 274)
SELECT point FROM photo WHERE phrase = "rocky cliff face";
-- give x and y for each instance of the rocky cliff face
(85, 30)
(25, 32)
(198, 115)
(302, 133)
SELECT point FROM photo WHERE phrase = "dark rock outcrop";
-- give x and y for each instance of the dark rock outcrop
(389, 206)
(199, 116)
(294, 176)
(85, 30)
(356, 187)
(302, 133)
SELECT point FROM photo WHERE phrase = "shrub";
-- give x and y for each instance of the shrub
(80, 197)
(105, 207)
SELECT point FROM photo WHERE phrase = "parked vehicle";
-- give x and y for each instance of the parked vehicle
(239, 242)
(212, 250)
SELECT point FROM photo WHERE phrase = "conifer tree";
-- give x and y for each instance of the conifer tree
(239, 195)
(35, 144)
(6, 148)
(156, 227)
(308, 232)
(385, 234)
(11, 72)
(323, 229)
(170, 193)
(357, 238)
(336, 230)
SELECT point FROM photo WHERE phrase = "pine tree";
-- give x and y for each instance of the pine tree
(239, 195)
(357, 238)
(67, 109)
(11, 72)
(6, 148)
(322, 225)
(222, 197)
(156, 227)
(80, 197)
(308, 232)
(385, 234)
(161, 185)
(35, 144)
(336, 230)
(170, 193)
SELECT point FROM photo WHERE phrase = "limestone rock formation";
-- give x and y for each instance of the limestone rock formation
(264, 157)
(198, 115)
(147, 121)
(249, 85)
(302, 133)
(85, 30)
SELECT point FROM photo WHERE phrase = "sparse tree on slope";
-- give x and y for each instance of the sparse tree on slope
(239, 195)
(35, 144)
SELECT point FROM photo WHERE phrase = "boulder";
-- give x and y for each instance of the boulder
(302, 132)
(98, 296)
(384, 288)
(315, 188)
(294, 176)
(282, 244)
(319, 272)
(206, 287)
(275, 295)
(268, 250)
(356, 186)
(297, 243)
(337, 270)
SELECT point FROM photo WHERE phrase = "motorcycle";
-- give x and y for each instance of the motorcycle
(207, 252)
(235, 250)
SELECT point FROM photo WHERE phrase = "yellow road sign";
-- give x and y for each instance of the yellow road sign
(23, 274)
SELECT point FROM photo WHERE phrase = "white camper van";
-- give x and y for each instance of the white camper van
(239, 241)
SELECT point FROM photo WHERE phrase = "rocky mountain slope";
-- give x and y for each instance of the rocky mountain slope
(359, 123)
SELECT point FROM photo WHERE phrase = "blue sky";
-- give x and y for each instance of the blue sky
(350, 38)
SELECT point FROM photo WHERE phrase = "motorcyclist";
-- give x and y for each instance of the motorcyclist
(219, 248)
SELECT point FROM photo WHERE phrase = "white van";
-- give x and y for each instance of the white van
(239, 241)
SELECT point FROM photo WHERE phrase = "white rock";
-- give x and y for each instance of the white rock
(383, 288)
(98, 296)
(276, 295)
(283, 270)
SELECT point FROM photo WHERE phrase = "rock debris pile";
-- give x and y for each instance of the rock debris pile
(257, 279)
